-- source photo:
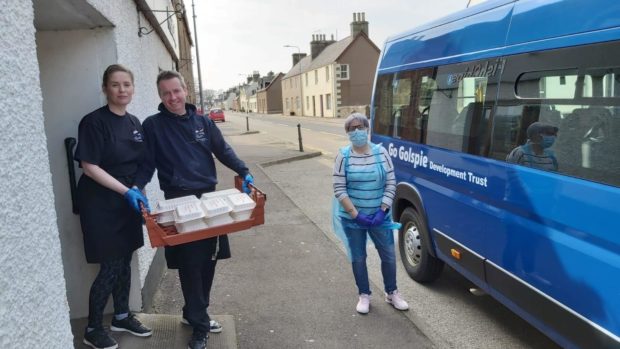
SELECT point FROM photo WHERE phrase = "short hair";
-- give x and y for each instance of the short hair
(356, 116)
(111, 69)
(170, 74)
(539, 127)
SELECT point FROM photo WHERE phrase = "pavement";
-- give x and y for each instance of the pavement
(288, 285)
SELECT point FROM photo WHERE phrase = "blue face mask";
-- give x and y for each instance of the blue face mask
(358, 138)
(547, 141)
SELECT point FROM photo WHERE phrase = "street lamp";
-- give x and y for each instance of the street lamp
(301, 93)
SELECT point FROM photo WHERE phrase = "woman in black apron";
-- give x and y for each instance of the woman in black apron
(109, 149)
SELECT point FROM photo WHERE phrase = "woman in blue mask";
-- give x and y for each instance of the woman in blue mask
(364, 185)
(536, 151)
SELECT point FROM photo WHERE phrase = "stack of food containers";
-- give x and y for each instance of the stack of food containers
(189, 217)
(217, 208)
(242, 206)
(165, 209)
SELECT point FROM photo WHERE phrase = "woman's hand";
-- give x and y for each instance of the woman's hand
(378, 218)
(363, 219)
(134, 197)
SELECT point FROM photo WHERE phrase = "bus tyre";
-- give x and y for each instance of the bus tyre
(412, 241)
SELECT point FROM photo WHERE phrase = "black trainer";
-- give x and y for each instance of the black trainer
(99, 339)
(198, 341)
(132, 325)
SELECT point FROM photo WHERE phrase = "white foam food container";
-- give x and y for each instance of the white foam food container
(188, 212)
(189, 217)
(171, 204)
(193, 225)
(216, 206)
(219, 220)
(242, 206)
(224, 192)
(166, 218)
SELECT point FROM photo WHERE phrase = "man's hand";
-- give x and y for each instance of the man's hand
(247, 180)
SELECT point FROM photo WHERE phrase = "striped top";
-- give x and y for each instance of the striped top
(524, 155)
(348, 180)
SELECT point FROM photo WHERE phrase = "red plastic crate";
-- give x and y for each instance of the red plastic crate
(168, 236)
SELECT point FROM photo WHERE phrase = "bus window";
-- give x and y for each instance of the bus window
(558, 84)
(584, 107)
(459, 112)
(400, 103)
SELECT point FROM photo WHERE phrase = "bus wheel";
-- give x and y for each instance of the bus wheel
(412, 237)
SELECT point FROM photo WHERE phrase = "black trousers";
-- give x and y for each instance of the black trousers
(196, 271)
(196, 282)
(114, 278)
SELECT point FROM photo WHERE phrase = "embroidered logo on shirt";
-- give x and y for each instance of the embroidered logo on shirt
(200, 134)
(137, 136)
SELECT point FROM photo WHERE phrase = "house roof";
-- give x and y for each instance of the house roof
(279, 76)
(329, 55)
(304, 62)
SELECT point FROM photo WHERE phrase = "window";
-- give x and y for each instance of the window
(344, 72)
(446, 107)
(328, 101)
(287, 104)
(297, 102)
(402, 103)
(326, 73)
(459, 113)
(306, 79)
(316, 76)
(559, 84)
(307, 102)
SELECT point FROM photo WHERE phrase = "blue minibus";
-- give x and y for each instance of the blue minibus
(453, 99)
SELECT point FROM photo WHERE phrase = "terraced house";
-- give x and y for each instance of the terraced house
(336, 78)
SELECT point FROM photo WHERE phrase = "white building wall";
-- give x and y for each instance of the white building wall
(72, 64)
(323, 87)
(33, 304)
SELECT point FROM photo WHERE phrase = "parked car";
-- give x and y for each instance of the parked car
(217, 115)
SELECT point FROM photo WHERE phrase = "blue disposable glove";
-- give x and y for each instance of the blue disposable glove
(363, 219)
(378, 218)
(134, 197)
(248, 179)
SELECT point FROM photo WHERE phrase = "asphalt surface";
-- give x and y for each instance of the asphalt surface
(289, 282)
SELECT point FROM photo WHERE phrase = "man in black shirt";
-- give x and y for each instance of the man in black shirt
(180, 144)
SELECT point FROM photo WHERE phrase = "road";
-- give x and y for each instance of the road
(445, 311)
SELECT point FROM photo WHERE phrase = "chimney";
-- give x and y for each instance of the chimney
(359, 24)
(318, 44)
(298, 57)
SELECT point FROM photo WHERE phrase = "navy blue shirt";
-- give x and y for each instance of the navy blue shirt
(181, 148)
(112, 142)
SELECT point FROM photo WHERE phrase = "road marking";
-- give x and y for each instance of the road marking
(282, 124)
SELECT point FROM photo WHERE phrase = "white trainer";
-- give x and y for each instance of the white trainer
(396, 300)
(363, 304)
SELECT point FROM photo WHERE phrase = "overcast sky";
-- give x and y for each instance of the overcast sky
(237, 37)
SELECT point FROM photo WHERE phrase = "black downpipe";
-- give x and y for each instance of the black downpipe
(70, 143)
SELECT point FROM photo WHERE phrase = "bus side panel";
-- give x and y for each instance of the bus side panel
(559, 235)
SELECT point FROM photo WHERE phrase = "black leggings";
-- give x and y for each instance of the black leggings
(114, 278)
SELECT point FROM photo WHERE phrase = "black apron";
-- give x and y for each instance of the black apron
(112, 229)
(196, 253)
